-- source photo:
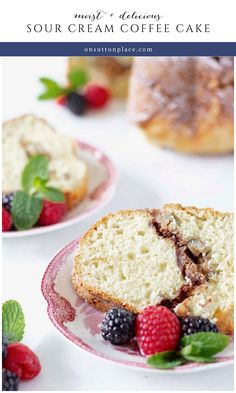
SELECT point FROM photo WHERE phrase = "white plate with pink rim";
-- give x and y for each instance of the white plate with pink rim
(80, 323)
(102, 182)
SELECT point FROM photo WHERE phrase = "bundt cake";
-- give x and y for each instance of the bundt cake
(111, 72)
(28, 135)
(178, 257)
(184, 103)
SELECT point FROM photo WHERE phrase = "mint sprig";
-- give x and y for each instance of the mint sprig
(166, 360)
(51, 193)
(203, 344)
(26, 210)
(35, 169)
(52, 89)
(13, 321)
(198, 347)
(28, 203)
(77, 78)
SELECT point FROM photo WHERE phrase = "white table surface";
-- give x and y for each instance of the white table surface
(149, 177)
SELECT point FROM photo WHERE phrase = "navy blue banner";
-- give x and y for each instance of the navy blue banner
(118, 49)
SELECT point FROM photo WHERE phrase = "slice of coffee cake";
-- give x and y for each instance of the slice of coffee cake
(175, 256)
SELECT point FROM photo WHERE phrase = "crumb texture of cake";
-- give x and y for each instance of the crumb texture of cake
(184, 103)
(108, 71)
(27, 136)
(175, 256)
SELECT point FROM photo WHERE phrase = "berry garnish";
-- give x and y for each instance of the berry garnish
(191, 325)
(157, 329)
(28, 203)
(4, 346)
(118, 326)
(52, 212)
(76, 103)
(6, 220)
(10, 381)
(19, 362)
(96, 96)
(7, 201)
(198, 347)
(61, 100)
(22, 361)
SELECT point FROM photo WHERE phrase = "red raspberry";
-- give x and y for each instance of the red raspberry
(52, 212)
(157, 330)
(96, 96)
(6, 220)
(61, 100)
(22, 361)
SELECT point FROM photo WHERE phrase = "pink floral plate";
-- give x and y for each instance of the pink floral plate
(102, 180)
(80, 323)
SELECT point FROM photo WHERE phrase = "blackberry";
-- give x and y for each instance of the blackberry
(191, 325)
(4, 347)
(7, 201)
(10, 381)
(118, 326)
(76, 103)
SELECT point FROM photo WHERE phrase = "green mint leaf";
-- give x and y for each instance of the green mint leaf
(26, 210)
(39, 183)
(77, 78)
(165, 360)
(52, 89)
(13, 321)
(192, 349)
(52, 194)
(203, 344)
(200, 359)
(37, 167)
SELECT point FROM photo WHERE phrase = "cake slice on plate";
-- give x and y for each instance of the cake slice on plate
(178, 257)
(29, 135)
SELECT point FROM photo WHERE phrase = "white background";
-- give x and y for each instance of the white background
(149, 177)
(15, 15)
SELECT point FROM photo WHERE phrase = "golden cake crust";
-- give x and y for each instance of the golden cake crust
(73, 197)
(184, 103)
